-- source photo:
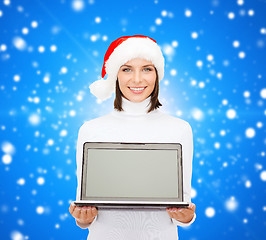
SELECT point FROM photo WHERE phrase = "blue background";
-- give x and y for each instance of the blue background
(223, 100)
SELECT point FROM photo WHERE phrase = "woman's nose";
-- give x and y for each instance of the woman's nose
(137, 77)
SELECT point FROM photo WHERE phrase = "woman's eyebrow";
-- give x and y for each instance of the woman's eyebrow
(150, 65)
(142, 66)
(126, 65)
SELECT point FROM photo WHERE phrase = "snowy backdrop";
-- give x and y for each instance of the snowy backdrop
(51, 51)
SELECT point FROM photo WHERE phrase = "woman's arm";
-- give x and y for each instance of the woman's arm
(185, 216)
(84, 216)
(79, 156)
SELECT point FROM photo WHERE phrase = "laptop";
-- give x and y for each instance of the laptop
(131, 175)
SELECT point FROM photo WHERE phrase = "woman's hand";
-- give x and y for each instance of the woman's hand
(84, 215)
(183, 215)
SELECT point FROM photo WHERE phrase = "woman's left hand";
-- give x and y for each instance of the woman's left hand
(183, 215)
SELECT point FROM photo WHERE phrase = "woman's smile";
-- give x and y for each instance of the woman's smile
(137, 90)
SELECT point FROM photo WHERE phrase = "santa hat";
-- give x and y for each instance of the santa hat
(121, 51)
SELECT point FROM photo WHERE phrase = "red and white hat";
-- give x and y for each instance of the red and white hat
(121, 51)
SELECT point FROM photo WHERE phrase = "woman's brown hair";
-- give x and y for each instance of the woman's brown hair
(154, 102)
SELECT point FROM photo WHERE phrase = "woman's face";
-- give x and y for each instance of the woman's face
(136, 79)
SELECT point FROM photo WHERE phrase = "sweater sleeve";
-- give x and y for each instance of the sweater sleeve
(81, 140)
(187, 153)
(79, 161)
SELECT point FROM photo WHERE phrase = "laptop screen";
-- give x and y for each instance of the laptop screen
(146, 172)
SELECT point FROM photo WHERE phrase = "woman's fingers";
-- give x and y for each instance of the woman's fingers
(171, 211)
(84, 214)
(192, 206)
(71, 208)
(94, 211)
(77, 212)
(182, 214)
(176, 214)
(91, 212)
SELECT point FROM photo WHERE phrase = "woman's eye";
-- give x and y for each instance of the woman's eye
(147, 69)
(126, 70)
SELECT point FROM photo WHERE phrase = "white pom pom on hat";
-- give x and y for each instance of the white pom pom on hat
(121, 51)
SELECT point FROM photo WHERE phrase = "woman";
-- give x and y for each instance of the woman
(135, 65)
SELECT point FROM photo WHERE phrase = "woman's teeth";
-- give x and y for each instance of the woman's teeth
(137, 90)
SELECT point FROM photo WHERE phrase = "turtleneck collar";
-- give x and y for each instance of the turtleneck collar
(135, 108)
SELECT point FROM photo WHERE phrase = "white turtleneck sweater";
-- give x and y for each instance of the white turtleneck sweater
(134, 124)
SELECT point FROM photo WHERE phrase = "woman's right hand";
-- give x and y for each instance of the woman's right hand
(84, 215)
